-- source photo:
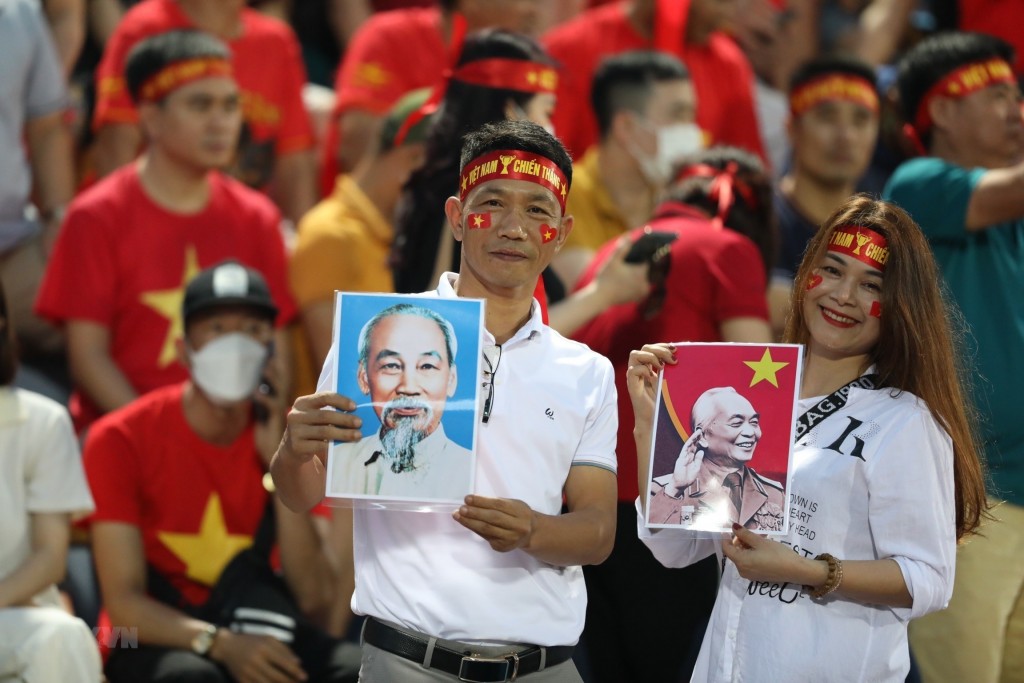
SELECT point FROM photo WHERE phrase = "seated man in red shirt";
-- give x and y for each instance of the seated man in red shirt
(277, 141)
(131, 243)
(689, 29)
(397, 52)
(178, 476)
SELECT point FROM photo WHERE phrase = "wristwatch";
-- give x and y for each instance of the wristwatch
(203, 640)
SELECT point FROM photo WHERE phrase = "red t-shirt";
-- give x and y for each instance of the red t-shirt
(393, 53)
(715, 275)
(268, 67)
(1001, 18)
(195, 504)
(721, 75)
(123, 261)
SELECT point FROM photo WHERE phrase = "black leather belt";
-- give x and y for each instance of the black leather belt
(468, 666)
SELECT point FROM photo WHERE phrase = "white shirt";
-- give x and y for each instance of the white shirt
(554, 407)
(443, 470)
(872, 481)
(40, 471)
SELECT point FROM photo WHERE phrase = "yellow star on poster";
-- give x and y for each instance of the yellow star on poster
(765, 369)
(167, 303)
(206, 552)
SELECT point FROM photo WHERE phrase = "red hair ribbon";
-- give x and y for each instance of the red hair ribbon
(723, 189)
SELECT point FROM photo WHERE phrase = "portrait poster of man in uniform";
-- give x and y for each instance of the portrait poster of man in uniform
(724, 437)
(412, 365)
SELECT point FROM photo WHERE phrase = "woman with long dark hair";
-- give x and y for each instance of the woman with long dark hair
(886, 476)
(499, 75)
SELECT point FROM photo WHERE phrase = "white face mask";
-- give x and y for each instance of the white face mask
(228, 368)
(675, 142)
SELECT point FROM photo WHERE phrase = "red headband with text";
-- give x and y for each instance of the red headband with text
(514, 164)
(179, 74)
(863, 244)
(960, 83)
(833, 88)
(508, 74)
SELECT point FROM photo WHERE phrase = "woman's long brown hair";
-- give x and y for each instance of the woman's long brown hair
(919, 342)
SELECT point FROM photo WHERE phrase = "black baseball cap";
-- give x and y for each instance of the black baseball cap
(228, 283)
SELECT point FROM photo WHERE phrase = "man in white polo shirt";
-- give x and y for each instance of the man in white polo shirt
(495, 591)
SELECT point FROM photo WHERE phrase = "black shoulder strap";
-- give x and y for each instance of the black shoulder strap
(814, 415)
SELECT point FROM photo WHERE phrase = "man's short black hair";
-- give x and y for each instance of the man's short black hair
(525, 136)
(154, 54)
(934, 58)
(833, 64)
(624, 82)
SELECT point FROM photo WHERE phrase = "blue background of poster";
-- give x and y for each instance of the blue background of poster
(465, 315)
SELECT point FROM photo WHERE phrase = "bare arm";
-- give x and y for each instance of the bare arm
(116, 145)
(642, 382)
(318, 321)
(874, 582)
(295, 184)
(92, 367)
(67, 22)
(304, 563)
(357, 128)
(45, 565)
(570, 263)
(617, 282)
(104, 16)
(121, 569)
(346, 16)
(584, 535)
(778, 307)
(753, 330)
(49, 147)
(882, 25)
(298, 465)
(998, 197)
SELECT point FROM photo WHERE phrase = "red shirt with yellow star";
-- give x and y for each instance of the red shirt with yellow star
(195, 504)
(268, 66)
(721, 75)
(123, 261)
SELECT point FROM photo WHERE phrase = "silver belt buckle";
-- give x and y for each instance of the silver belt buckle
(507, 676)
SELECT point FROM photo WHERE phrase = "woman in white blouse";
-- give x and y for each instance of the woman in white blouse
(882, 486)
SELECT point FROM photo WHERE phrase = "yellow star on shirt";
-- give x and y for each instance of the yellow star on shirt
(765, 369)
(167, 303)
(206, 552)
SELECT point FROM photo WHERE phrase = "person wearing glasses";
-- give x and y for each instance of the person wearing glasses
(494, 591)
(407, 369)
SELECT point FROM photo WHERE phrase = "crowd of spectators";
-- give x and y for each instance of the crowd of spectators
(185, 183)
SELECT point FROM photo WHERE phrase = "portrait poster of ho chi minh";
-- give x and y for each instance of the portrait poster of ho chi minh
(412, 365)
(723, 438)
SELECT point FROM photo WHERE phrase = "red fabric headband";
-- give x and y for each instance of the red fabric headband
(178, 74)
(863, 244)
(831, 88)
(514, 165)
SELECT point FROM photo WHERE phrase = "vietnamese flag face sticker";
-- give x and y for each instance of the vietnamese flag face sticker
(876, 309)
(814, 281)
(478, 221)
(547, 233)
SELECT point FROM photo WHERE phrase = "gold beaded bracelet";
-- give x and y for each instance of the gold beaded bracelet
(835, 576)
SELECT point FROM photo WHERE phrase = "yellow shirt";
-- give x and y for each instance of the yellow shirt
(597, 219)
(343, 244)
